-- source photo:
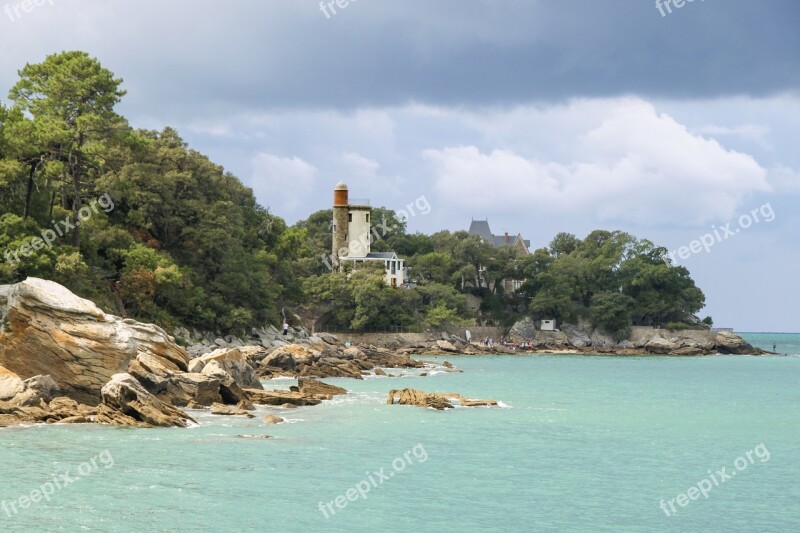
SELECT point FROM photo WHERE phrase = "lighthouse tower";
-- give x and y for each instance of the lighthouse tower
(352, 237)
(351, 226)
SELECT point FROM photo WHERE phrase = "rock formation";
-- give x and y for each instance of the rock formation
(126, 402)
(47, 330)
(435, 400)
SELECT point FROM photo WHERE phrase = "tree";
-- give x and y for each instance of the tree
(436, 267)
(612, 312)
(563, 244)
(70, 98)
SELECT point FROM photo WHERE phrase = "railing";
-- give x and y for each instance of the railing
(358, 201)
(718, 330)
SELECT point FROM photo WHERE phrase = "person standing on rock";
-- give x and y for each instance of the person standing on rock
(285, 328)
(468, 335)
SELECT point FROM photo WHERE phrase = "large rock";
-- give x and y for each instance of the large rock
(48, 330)
(230, 410)
(39, 390)
(264, 397)
(235, 362)
(435, 400)
(659, 345)
(10, 384)
(229, 389)
(576, 337)
(201, 389)
(279, 360)
(446, 346)
(126, 402)
(524, 329)
(301, 354)
(730, 343)
(317, 389)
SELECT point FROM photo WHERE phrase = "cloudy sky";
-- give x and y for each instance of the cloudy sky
(540, 115)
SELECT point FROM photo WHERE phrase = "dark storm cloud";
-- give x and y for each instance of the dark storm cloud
(274, 54)
(478, 53)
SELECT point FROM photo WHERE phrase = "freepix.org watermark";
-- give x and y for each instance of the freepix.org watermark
(58, 482)
(329, 6)
(665, 6)
(373, 481)
(16, 10)
(714, 480)
(60, 229)
(765, 213)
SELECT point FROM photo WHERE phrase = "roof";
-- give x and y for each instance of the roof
(381, 255)
(482, 229)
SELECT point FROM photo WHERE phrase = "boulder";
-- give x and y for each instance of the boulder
(446, 346)
(301, 354)
(228, 410)
(280, 360)
(124, 401)
(524, 329)
(63, 408)
(38, 390)
(435, 400)
(10, 384)
(48, 330)
(280, 398)
(352, 353)
(729, 343)
(246, 405)
(163, 379)
(229, 390)
(235, 362)
(576, 337)
(200, 389)
(273, 419)
(319, 390)
(659, 345)
(418, 398)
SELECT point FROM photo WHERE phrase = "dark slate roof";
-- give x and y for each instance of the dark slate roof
(382, 255)
(481, 228)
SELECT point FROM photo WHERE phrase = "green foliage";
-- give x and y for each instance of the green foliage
(612, 312)
(708, 321)
(185, 242)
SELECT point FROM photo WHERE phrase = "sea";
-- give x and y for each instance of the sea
(577, 443)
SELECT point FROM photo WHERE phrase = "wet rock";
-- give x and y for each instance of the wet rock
(126, 402)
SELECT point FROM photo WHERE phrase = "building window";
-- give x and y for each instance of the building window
(350, 217)
(367, 218)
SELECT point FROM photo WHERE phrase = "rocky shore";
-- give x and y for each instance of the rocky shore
(63, 360)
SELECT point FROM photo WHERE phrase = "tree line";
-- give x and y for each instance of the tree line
(180, 241)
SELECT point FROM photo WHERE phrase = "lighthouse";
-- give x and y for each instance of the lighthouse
(352, 236)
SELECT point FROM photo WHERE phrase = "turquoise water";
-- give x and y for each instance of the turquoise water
(785, 343)
(586, 444)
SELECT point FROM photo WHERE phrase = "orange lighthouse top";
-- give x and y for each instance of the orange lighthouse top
(340, 193)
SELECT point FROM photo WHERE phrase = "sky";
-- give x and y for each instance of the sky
(676, 124)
